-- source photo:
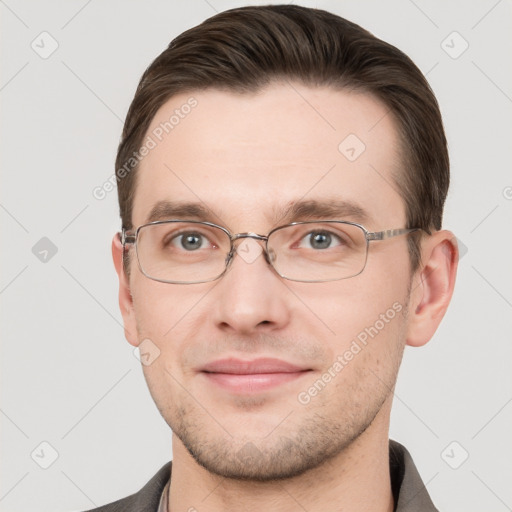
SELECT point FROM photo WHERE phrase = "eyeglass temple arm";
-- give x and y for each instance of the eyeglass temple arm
(389, 233)
(126, 237)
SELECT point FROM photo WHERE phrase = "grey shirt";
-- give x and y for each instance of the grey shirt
(409, 491)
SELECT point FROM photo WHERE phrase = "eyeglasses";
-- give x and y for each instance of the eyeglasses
(188, 252)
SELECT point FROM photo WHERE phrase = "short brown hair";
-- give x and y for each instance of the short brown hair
(245, 49)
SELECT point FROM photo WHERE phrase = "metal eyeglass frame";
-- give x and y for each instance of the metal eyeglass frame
(129, 237)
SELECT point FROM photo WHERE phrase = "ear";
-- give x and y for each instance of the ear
(433, 285)
(125, 296)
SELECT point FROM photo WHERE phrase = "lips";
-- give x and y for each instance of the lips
(243, 377)
(240, 367)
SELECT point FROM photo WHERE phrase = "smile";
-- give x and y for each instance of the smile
(243, 377)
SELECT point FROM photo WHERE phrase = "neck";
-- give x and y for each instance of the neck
(356, 479)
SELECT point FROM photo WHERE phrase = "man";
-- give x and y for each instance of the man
(281, 178)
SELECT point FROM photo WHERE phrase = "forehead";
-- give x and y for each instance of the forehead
(249, 158)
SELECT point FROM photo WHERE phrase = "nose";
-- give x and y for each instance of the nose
(250, 297)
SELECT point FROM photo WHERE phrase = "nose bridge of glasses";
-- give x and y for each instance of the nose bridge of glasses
(238, 236)
(243, 236)
(247, 252)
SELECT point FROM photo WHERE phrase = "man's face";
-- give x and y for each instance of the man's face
(246, 158)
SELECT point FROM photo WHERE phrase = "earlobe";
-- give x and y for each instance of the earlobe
(432, 287)
(125, 296)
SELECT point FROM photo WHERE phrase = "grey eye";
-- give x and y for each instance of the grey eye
(191, 241)
(320, 240)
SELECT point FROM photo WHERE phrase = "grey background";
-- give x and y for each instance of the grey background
(68, 376)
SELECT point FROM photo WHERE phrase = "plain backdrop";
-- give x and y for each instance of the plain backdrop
(69, 379)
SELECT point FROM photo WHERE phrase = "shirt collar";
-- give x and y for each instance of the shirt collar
(409, 491)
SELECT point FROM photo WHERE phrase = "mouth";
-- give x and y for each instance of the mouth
(247, 377)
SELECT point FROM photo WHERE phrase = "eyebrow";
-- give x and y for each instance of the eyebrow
(328, 209)
(301, 210)
(164, 210)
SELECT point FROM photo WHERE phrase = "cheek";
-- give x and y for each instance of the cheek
(164, 315)
(161, 308)
(342, 310)
(364, 358)
(171, 317)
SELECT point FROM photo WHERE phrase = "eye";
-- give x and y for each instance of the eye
(189, 241)
(321, 240)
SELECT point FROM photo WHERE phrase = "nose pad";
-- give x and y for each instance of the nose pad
(270, 256)
(229, 257)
